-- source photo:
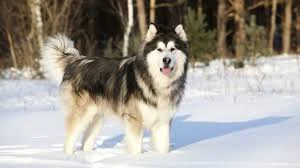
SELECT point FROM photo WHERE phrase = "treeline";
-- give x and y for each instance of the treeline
(240, 29)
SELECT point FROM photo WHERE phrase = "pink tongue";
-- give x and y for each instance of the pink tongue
(166, 71)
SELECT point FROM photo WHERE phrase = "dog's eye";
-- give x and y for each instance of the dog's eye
(172, 49)
(159, 49)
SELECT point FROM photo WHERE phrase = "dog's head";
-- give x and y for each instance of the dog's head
(165, 52)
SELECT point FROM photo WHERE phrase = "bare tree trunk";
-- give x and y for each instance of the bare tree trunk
(36, 17)
(11, 49)
(287, 26)
(272, 26)
(142, 17)
(240, 35)
(128, 28)
(199, 7)
(298, 27)
(152, 11)
(221, 28)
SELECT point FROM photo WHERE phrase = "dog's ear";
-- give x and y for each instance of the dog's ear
(181, 33)
(151, 33)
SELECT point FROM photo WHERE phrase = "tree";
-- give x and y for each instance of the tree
(297, 25)
(240, 35)
(141, 17)
(221, 28)
(16, 30)
(256, 44)
(152, 10)
(202, 41)
(286, 36)
(272, 26)
(36, 19)
(128, 28)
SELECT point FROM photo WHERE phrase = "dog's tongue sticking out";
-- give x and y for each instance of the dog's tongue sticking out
(166, 71)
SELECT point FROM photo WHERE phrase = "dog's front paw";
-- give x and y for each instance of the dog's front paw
(163, 150)
(88, 148)
(69, 151)
(134, 149)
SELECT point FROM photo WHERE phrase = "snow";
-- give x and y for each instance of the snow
(24, 73)
(229, 118)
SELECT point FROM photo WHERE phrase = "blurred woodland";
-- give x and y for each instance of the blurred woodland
(240, 29)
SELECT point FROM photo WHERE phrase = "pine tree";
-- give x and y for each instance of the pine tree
(257, 43)
(202, 42)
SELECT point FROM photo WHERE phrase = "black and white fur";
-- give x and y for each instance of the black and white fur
(143, 91)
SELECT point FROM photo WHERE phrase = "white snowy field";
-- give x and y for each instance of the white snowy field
(228, 118)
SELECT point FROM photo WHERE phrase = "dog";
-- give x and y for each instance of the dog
(144, 91)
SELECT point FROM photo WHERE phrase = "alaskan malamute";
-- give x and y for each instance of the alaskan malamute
(143, 90)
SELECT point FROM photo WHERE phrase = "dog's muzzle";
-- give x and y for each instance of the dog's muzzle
(166, 70)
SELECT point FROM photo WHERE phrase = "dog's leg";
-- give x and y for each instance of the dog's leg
(161, 137)
(91, 133)
(75, 125)
(134, 135)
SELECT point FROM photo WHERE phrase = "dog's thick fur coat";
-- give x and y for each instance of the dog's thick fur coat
(142, 90)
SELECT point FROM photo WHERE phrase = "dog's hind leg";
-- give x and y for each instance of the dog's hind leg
(91, 133)
(134, 135)
(76, 123)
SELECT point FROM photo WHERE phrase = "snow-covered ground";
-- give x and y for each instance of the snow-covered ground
(228, 118)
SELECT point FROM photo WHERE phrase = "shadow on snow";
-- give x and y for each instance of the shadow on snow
(185, 133)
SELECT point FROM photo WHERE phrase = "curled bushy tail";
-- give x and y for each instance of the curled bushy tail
(56, 53)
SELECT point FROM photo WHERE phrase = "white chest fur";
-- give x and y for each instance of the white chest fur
(151, 115)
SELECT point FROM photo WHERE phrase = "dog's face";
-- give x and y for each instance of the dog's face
(166, 52)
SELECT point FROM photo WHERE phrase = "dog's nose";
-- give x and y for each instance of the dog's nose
(166, 60)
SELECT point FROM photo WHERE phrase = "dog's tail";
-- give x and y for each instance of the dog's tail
(56, 53)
